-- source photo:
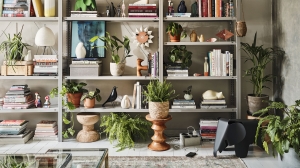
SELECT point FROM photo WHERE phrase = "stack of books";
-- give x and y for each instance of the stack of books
(182, 103)
(208, 129)
(45, 65)
(18, 97)
(179, 15)
(176, 70)
(46, 130)
(213, 104)
(15, 8)
(14, 132)
(84, 14)
(142, 10)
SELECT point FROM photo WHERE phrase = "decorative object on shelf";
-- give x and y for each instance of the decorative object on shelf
(88, 5)
(212, 95)
(259, 57)
(125, 103)
(212, 40)
(119, 11)
(197, 74)
(80, 50)
(95, 28)
(44, 38)
(231, 8)
(88, 134)
(195, 9)
(107, 11)
(240, 26)
(47, 102)
(117, 69)
(112, 97)
(201, 38)
(142, 2)
(123, 129)
(158, 95)
(143, 37)
(123, 9)
(90, 98)
(140, 67)
(112, 10)
(181, 7)
(175, 31)
(180, 53)
(193, 36)
(28, 56)
(49, 8)
(188, 93)
(206, 67)
(38, 101)
(12, 48)
(224, 34)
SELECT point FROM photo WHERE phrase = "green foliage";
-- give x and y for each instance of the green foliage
(123, 128)
(188, 90)
(175, 29)
(178, 53)
(113, 44)
(85, 5)
(91, 95)
(11, 162)
(13, 48)
(159, 91)
(284, 133)
(259, 57)
(69, 87)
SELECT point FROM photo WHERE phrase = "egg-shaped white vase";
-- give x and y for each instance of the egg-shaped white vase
(80, 50)
(125, 103)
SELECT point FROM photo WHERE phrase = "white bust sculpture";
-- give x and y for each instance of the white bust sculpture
(212, 95)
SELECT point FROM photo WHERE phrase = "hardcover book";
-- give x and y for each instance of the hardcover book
(46, 123)
(38, 8)
(12, 122)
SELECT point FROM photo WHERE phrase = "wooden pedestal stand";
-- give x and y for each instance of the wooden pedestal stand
(158, 138)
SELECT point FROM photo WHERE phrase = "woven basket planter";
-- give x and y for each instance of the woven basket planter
(159, 110)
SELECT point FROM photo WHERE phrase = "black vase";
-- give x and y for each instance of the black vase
(112, 10)
(181, 7)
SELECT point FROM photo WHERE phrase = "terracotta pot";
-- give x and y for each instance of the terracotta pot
(257, 103)
(175, 38)
(159, 110)
(74, 98)
(89, 103)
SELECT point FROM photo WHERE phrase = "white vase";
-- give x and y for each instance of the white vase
(125, 103)
(28, 57)
(80, 50)
(117, 69)
(188, 96)
(49, 8)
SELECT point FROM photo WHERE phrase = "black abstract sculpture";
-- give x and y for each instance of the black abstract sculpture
(112, 97)
(181, 7)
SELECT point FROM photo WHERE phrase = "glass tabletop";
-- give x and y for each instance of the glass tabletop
(84, 157)
(51, 160)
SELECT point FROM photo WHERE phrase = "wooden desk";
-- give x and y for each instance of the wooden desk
(159, 140)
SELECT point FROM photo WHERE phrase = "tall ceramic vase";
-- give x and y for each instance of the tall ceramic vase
(117, 69)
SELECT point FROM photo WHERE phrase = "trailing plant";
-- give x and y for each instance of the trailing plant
(159, 91)
(259, 57)
(123, 128)
(283, 132)
(188, 90)
(113, 44)
(180, 53)
(11, 162)
(85, 5)
(92, 95)
(175, 29)
(13, 48)
(69, 87)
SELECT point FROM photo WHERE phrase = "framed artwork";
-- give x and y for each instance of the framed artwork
(83, 31)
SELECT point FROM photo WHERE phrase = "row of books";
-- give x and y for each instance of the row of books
(22, 8)
(142, 10)
(18, 97)
(216, 8)
(220, 64)
(14, 132)
(208, 129)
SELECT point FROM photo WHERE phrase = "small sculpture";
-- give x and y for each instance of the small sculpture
(212, 95)
(125, 103)
(139, 67)
(195, 9)
(181, 7)
(193, 36)
(123, 9)
(119, 11)
(224, 34)
(107, 11)
(28, 57)
(80, 50)
(47, 102)
(112, 97)
(201, 38)
(112, 10)
(37, 102)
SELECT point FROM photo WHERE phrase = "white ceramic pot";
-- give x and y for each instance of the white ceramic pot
(117, 69)
(80, 50)
(188, 96)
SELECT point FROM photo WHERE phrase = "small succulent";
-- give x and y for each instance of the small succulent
(188, 90)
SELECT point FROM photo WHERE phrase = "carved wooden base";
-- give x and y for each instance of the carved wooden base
(158, 143)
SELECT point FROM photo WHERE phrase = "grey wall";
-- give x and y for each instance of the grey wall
(286, 23)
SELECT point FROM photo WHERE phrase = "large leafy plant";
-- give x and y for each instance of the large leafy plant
(180, 53)
(124, 128)
(260, 57)
(113, 44)
(284, 133)
(175, 29)
(159, 91)
(85, 5)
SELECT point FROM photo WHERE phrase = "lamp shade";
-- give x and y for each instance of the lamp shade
(44, 37)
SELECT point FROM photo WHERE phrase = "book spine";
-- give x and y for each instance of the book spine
(213, 8)
(38, 8)
(189, 107)
(231, 65)
(204, 8)
(157, 64)
(209, 8)
(138, 95)
(141, 5)
(200, 8)
(142, 11)
(134, 96)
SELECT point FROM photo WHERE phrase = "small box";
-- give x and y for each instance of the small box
(189, 139)
(86, 70)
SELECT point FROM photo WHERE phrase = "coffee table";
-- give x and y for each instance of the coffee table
(85, 157)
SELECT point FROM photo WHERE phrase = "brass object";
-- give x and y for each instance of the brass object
(193, 36)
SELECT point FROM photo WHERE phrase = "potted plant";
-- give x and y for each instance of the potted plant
(158, 95)
(72, 91)
(260, 57)
(13, 49)
(90, 98)
(283, 133)
(113, 44)
(175, 32)
(188, 93)
(179, 54)
(13, 161)
(124, 128)
(85, 5)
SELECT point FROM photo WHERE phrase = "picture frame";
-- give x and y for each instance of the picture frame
(83, 31)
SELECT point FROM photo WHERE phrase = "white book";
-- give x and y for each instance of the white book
(231, 65)
(224, 64)
(138, 95)
(185, 106)
(17, 140)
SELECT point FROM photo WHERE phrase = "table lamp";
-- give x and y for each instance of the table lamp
(44, 37)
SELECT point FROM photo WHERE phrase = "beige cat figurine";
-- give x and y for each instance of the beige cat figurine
(212, 95)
